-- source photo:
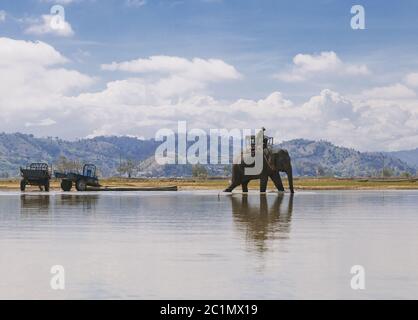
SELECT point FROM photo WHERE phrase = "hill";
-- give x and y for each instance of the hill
(408, 156)
(310, 158)
(322, 158)
(106, 152)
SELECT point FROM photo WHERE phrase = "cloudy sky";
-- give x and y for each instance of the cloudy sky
(131, 67)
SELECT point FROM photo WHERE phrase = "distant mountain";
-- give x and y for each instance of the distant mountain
(310, 158)
(408, 156)
(106, 152)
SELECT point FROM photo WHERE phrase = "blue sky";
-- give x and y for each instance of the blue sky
(259, 39)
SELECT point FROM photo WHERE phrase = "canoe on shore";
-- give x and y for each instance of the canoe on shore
(164, 188)
(388, 180)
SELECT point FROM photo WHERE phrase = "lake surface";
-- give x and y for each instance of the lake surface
(201, 245)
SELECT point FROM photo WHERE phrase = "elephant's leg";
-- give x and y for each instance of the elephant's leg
(231, 187)
(263, 183)
(290, 178)
(277, 181)
(245, 186)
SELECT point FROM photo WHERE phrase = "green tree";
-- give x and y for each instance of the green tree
(199, 171)
(128, 167)
(406, 175)
(387, 172)
(64, 164)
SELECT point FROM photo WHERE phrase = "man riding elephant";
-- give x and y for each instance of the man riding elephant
(274, 162)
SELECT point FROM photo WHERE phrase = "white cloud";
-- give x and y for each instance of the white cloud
(42, 123)
(306, 66)
(60, 1)
(178, 75)
(39, 95)
(134, 107)
(411, 79)
(36, 68)
(2, 15)
(46, 26)
(17, 52)
(139, 107)
(197, 69)
(395, 91)
(34, 83)
(135, 3)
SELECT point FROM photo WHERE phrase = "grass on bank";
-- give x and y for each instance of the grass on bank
(220, 183)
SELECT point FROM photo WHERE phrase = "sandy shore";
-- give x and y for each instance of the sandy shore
(220, 184)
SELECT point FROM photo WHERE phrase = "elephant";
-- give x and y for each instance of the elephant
(274, 162)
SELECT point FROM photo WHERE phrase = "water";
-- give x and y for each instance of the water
(200, 245)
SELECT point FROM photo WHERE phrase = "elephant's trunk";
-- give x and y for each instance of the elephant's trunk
(290, 178)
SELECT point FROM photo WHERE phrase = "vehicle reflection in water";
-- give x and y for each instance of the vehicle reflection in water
(263, 220)
(44, 204)
(85, 202)
(35, 204)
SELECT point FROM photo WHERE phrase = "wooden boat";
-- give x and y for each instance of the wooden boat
(163, 188)
(390, 180)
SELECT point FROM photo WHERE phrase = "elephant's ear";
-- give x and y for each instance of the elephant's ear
(274, 160)
(278, 158)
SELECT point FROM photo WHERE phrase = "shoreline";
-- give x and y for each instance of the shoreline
(221, 183)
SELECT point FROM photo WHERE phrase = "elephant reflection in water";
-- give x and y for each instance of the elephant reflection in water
(262, 222)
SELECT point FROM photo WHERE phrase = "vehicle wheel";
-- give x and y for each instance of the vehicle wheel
(66, 185)
(47, 186)
(81, 185)
(22, 185)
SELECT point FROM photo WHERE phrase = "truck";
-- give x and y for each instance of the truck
(36, 174)
(87, 178)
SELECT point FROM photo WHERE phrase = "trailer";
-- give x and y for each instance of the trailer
(88, 181)
(35, 174)
(87, 178)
